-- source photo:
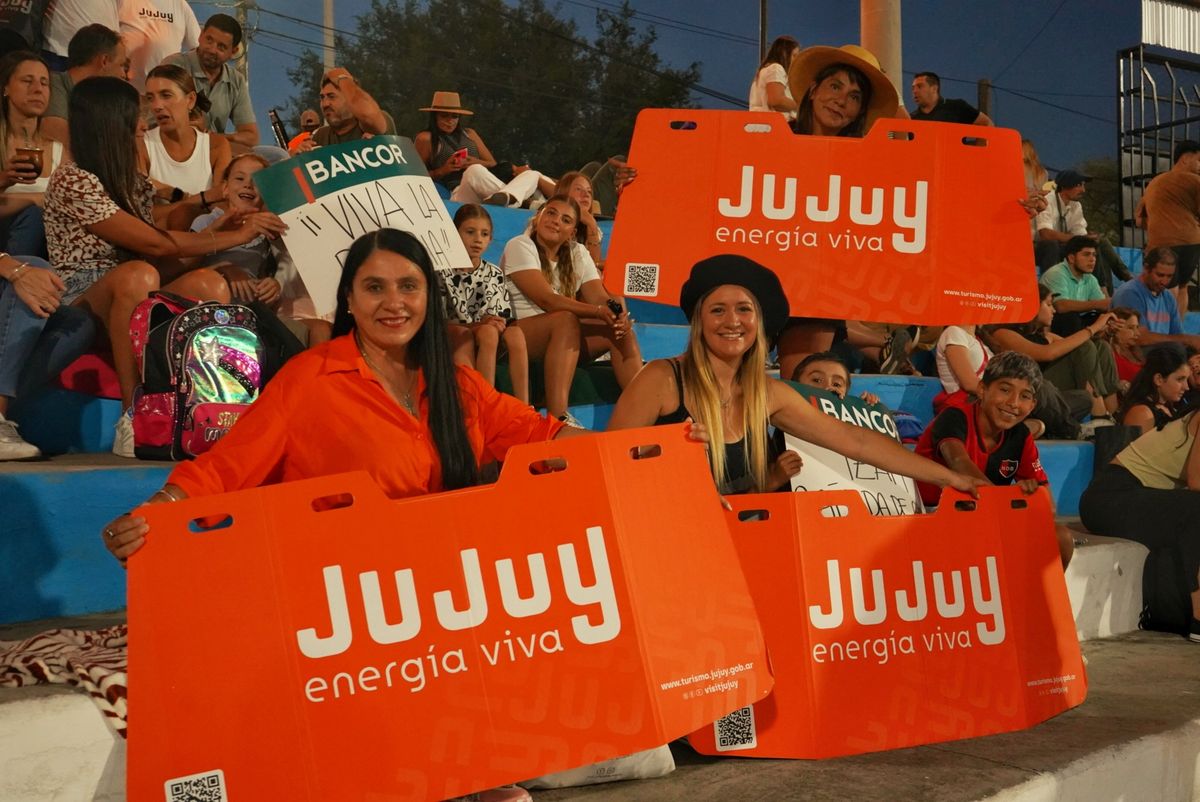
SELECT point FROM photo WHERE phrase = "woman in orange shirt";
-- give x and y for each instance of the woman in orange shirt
(383, 395)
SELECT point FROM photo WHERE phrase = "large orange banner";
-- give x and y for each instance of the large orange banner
(888, 632)
(316, 641)
(916, 222)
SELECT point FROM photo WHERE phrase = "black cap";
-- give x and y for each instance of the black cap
(1070, 178)
(727, 268)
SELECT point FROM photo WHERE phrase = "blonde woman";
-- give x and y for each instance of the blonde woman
(561, 305)
(733, 305)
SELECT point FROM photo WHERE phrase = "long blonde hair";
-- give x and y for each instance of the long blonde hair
(564, 270)
(1035, 173)
(700, 387)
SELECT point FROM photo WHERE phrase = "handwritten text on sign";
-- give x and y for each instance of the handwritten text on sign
(883, 492)
(331, 196)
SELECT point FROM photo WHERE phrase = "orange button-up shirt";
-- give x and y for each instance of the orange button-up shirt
(325, 412)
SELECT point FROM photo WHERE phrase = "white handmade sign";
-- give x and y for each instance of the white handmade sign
(331, 196)
(883, 492)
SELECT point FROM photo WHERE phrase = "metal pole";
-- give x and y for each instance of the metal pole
(243, 63)
(329, 35)
(985, 96)
(879, 29)
(762, 30)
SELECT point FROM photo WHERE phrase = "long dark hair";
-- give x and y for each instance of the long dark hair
(1161, 360)
(781, 48)
(858, 126)
(435, 135)
(103, 125)
(432, 346)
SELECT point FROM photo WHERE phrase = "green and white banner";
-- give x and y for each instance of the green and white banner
(331, 196)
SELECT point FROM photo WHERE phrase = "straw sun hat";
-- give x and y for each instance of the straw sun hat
(810, 61)
(447, 102)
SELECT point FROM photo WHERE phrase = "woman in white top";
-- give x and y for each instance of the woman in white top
(181, 161)
(561, 305)
(770, 90)
(25, 84)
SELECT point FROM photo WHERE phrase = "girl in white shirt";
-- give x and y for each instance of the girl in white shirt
(770, 90)
(561, 304)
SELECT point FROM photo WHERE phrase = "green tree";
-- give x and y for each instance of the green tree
(1101, 202)
(540, 94)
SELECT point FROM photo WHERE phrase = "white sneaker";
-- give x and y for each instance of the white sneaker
(123, 440)
(12, 445)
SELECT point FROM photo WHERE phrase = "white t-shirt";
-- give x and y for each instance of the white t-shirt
(977, 352)
(521, 254)
(153, 30)
(773, 73)
(69, 16)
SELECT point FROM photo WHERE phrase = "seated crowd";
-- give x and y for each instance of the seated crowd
(111, 192)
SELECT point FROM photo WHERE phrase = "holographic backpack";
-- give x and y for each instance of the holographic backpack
(201, 368)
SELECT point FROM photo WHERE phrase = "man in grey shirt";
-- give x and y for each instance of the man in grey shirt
(93, 50)
(224, 86)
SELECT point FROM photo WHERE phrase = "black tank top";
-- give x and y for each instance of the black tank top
(445, 146)
(738, 476)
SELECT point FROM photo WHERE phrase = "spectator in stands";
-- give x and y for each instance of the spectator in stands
(587, 233)
(1072, 282)
(350, 112)
(21, 26)
(1123, 338)
(309, 121)
(262, 269)
(1148, 296)
(64, 18)
(180, 159)
(1036, 179)
(1170, 212)
(227, 89)
(153, 30)
(609, 181)
(1156, 393)
(561, 304)
(1191, 399)
(458, 159)
(927, 94)
(94, 50)
(828, 371)
(842, 92)
(734, 305)
(1063, 219)
(27, 155)
(1147, 493)
(769, 90)
(99, 214)
(478, 308)
(985, 438)
(1080, 365)
(41, 337)
(961, 356)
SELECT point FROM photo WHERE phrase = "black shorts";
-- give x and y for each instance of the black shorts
(1187, 258)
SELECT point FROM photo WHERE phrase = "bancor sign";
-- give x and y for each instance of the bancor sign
(884, 228)
(331, 196)
(429, 647)
(887, 632)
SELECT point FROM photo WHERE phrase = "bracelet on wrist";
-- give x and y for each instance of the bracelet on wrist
(162, 491)
(204, 204)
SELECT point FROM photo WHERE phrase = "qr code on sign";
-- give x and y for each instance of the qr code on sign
(736, 731)
(208, 786)
(641, 280)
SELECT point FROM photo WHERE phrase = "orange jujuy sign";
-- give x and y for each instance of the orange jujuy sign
(889, 632)
(916, 222)
(430, 647)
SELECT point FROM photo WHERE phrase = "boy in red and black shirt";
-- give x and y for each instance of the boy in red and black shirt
(987, 437)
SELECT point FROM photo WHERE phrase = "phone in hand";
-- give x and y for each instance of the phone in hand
(616, 307)
(459, 156)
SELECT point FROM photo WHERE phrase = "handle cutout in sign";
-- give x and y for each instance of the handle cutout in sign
(683, 125)
(1019, 503)
(754, 516)
(210, 523)
(645, 452)
(901, 136)
(549, 465)
(337, 501)
(964, 506)
(974, 141)
(836, 511)
(757, 128)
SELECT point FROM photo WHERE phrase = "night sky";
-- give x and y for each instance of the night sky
(1059, 53)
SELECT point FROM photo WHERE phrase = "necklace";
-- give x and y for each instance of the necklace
(406, 399)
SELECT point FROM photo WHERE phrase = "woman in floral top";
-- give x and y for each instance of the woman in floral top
(100, 229)
(478, 307)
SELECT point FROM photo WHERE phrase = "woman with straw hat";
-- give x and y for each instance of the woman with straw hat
(458, 160)
(842, 91)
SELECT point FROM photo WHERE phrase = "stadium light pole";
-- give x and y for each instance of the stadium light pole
(329, 35)
(879, 29)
